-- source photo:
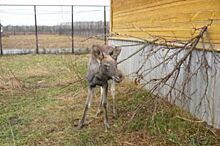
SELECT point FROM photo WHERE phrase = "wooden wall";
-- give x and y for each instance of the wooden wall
(169, 19)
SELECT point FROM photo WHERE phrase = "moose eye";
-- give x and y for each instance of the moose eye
(111, 53)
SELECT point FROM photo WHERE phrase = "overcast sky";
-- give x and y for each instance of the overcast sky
(18, 15)
(57, 2)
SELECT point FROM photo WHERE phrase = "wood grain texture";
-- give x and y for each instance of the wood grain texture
(170, 19)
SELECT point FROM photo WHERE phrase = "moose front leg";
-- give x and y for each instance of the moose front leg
(99, 111)
(104, 104)
(87, 105)
(115, 114)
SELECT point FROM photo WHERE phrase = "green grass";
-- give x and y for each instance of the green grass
(42, 99)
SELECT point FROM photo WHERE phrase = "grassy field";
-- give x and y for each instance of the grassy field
(42, 98)
(47, 41)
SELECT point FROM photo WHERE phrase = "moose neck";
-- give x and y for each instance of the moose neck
(96, 76)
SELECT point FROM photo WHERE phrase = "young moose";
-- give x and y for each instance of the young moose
(101, 68)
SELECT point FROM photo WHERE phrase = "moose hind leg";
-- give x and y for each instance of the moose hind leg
(87, 105)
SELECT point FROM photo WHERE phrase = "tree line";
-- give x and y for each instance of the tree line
(80, 28)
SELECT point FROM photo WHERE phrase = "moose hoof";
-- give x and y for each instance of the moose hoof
(80, 126)
(98, 113)
(107, 127)
(115, 115)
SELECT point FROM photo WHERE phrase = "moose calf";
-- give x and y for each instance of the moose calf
(101, 68)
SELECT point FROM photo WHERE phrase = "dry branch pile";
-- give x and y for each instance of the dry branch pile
(180, 65)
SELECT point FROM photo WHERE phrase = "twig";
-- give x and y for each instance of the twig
(12, 133)
(188, 120)
(128, 143)
(145, 45)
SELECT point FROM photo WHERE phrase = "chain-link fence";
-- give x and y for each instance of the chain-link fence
(52, 28)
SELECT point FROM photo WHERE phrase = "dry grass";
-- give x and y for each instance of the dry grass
(42, 98)
(47, 41)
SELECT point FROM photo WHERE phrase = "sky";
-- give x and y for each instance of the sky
(57, 2)
(24, 15)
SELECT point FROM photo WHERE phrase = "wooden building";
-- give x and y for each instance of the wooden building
(174, 22)
(168, 19)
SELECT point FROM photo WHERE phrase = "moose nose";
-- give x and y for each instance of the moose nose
(119, 77)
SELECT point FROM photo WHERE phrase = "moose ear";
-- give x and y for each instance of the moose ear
(97, 52)
(116, 52)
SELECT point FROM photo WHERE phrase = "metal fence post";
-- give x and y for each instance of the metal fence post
(36, 32)
(105, 26)
(1, 39)
(72, 32)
